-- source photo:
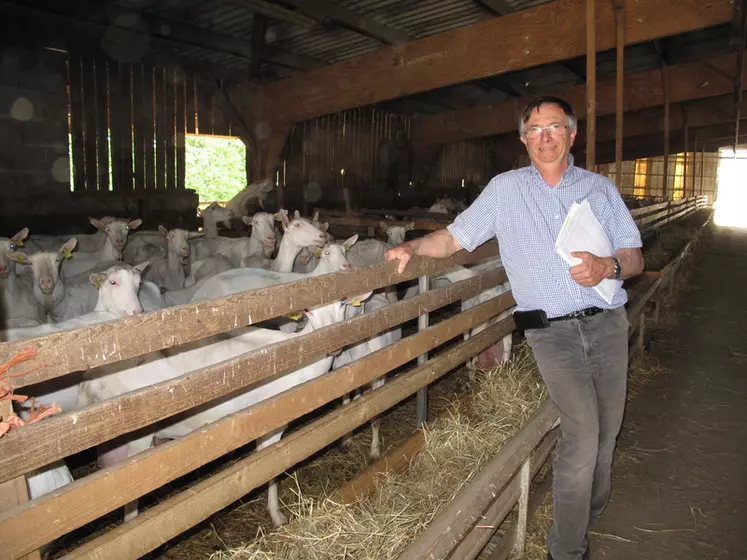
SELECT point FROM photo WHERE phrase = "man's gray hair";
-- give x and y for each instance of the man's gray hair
(538, 102)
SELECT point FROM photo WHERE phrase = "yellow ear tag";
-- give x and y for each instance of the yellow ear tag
(67, 255)
(317, 253)
(356, 304)
(99, 282)
(296, 317)
(19, 243)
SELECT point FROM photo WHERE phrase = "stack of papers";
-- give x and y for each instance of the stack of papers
(582, 231)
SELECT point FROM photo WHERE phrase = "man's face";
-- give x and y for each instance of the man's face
(548, 148)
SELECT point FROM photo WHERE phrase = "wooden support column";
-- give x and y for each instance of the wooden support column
(591, 82)
(665, 93)
(684, 169)
(14, 492)
(620, 88)
(259, 28)
(702, 167)
(741, 12)
(695, 165)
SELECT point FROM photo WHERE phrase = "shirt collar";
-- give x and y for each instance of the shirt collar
(571, 167)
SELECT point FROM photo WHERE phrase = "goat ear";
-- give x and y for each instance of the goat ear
(410, 226)
(97, 279)
(199, 212)
(324, 227)
(383, 226)
(348, 243)
(67, 249)
(20, 258)
(193, 234)
(140, 267)
(297, 215)
(247, 220)
(163, 230)
(98, 224)
(20, 236)
(134, 224)
(315, 217)
(357, 301)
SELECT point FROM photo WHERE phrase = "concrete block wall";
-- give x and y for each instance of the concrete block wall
(33, 122)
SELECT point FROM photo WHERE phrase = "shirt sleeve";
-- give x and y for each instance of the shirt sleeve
(476, 224)
(623, 230)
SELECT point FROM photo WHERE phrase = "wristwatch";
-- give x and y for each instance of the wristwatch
(617, 270)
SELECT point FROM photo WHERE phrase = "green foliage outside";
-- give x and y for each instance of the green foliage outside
(215, 167)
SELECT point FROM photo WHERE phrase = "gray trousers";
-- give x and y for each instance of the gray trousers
(584, 364)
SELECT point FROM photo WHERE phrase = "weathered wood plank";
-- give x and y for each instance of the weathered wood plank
(108, 489)
(169, 109)
(525, 39)
(102, 121)
(125, 76)
(456, 519)
(139, 124)
(133, 336)
(161, 131)
(181, 123)
(77, 119)
(14, 492)
(81, 429)
(148, 129)
(175, 515)
(116, 123)
(89, 122)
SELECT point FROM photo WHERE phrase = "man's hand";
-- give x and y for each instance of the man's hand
(403, 253)
(592, 269)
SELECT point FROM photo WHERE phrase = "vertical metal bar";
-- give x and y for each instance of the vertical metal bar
(525, 476)
(422, 397)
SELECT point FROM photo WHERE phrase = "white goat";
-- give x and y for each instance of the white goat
(171, 272)
(83, 261)
(363, 349)
(213, 215)
(115, 229)
(117, 296)
(239, 204)
(298, 233)
(396, 234)
(107, 382)
(19, 304)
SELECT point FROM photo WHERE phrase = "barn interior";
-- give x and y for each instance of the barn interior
(367, 110)
(380, 104)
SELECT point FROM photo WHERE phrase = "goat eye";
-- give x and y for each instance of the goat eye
(106, 229)
(326, 252)
(113, 282)
(297, 224)
(12, 247)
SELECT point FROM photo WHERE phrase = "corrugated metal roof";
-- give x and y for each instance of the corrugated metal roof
(330, 43)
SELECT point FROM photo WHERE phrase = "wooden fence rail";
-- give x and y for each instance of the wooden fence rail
(28, 526)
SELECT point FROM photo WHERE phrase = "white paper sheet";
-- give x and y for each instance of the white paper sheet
(582, 231)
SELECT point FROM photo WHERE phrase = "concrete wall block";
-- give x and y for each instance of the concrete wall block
(10, 65)
(21, 104)
(44, 133)
(55, 106)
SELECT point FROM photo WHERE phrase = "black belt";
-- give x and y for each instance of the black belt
(588, 312)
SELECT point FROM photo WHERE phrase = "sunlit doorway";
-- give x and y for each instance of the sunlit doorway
(731, 198)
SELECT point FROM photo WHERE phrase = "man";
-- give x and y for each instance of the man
(580, 342)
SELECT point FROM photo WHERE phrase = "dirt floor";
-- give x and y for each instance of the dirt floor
(679, 490)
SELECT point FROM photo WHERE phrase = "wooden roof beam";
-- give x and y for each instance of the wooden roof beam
(274, 11)
(498, 7)
(365, 25)
(525, 39)
(689, 81)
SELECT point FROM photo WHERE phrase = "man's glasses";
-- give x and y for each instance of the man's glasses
(534, 132)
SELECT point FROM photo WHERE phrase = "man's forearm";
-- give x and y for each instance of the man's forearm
(631, 262)
(439, 244)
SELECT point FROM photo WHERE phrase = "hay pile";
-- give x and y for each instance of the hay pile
(457, 446)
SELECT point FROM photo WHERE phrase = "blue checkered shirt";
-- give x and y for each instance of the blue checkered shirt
(525, 214)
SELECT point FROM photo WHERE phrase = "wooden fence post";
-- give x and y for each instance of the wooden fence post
(422, 397)
(14, 492)
(521, 520)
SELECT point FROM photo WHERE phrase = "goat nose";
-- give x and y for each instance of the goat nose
(346, 266)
